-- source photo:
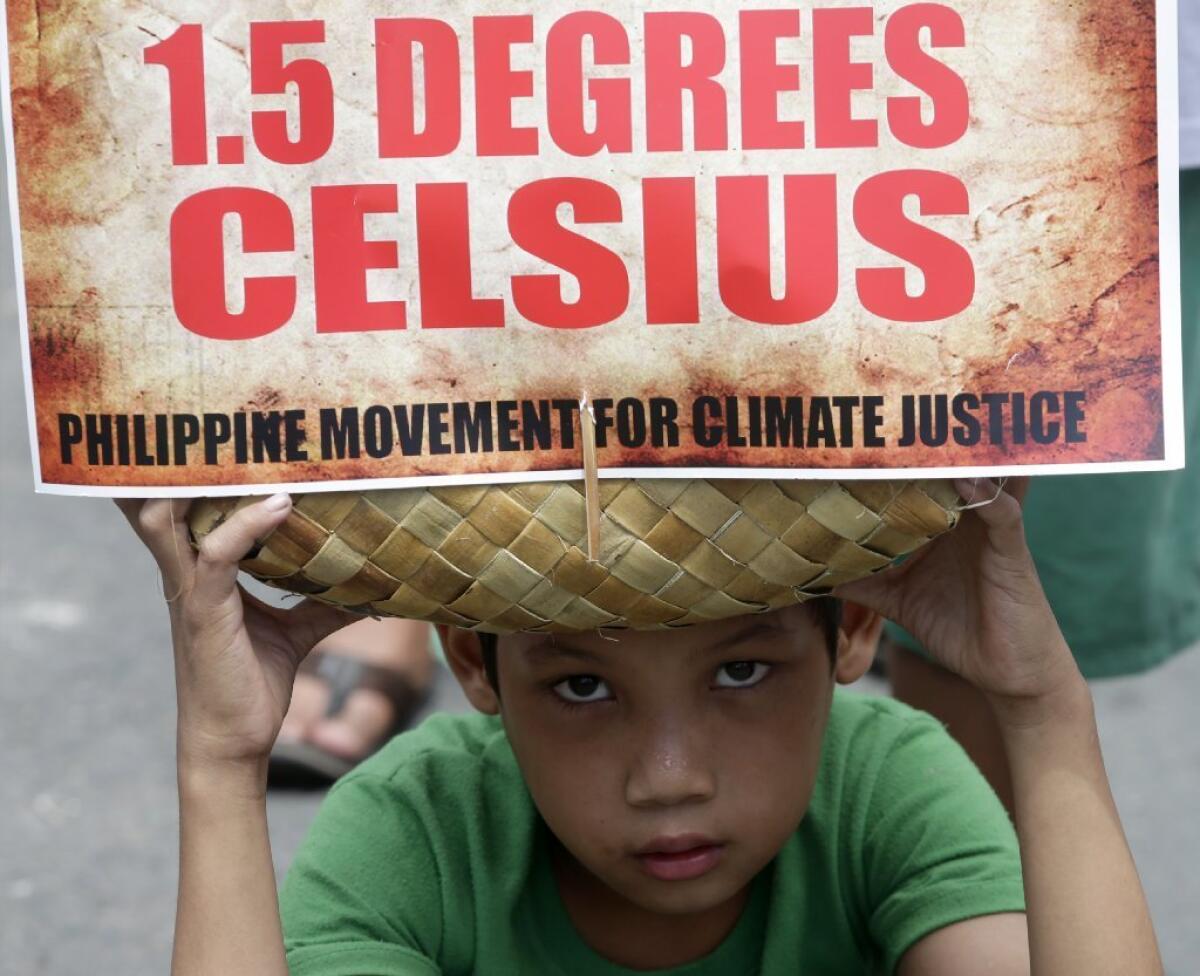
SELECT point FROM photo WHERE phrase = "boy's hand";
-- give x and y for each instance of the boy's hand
(973, 599)
(235, 657)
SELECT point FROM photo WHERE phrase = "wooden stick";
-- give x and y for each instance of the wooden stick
(591, 476)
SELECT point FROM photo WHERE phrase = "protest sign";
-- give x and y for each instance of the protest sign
(322, 243)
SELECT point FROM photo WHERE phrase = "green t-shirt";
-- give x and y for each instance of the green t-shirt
(430, 858)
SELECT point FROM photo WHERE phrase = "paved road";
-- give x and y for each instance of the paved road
(87, 801)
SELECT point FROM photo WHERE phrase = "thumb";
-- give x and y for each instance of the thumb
(876, 593)
(883, 591)
(312, 621)
(223, 548)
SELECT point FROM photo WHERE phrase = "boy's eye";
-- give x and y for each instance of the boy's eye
(741, 674)
(581, 688)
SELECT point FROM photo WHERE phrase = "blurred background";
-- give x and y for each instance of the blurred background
(88, 823)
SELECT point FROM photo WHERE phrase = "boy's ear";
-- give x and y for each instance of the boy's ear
(464, 654)
(858, 640)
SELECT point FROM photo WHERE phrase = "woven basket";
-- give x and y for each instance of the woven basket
(673, 552)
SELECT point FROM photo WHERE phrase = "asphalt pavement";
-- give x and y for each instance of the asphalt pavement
(88, 824)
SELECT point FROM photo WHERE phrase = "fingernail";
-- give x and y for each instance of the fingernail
(277, 503)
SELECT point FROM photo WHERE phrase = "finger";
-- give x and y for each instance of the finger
(161, 524)
(999, 511)
(129, 508)
(223, 548)
(1018, 488)
(155, 520)
(992, 503)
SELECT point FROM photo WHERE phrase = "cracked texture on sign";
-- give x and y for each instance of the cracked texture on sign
(1059, 160)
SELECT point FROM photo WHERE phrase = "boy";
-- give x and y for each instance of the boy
(692, 802)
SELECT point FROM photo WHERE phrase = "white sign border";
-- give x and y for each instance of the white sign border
(1171, 319)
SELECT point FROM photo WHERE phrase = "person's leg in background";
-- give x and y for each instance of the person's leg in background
(1119, 556)
(359, 686)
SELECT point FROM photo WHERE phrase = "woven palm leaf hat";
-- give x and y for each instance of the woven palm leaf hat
(566, 556)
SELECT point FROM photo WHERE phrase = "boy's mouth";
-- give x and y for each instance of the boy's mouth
(680, 858)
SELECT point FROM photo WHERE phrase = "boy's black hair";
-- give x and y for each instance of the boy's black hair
(828, 611)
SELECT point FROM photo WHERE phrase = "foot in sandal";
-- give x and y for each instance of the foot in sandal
(355, 691)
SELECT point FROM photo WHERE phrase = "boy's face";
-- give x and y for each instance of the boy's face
(672, 765)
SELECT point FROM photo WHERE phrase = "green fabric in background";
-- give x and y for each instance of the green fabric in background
(1119, 555)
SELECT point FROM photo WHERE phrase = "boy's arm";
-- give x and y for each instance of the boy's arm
(995, 945)
(227, 918)
(1087, 911)
(235, 662)
(974, 600)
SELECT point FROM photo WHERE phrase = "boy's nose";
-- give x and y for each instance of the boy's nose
(671, 768)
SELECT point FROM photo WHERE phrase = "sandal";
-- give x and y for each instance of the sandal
(304, 765)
